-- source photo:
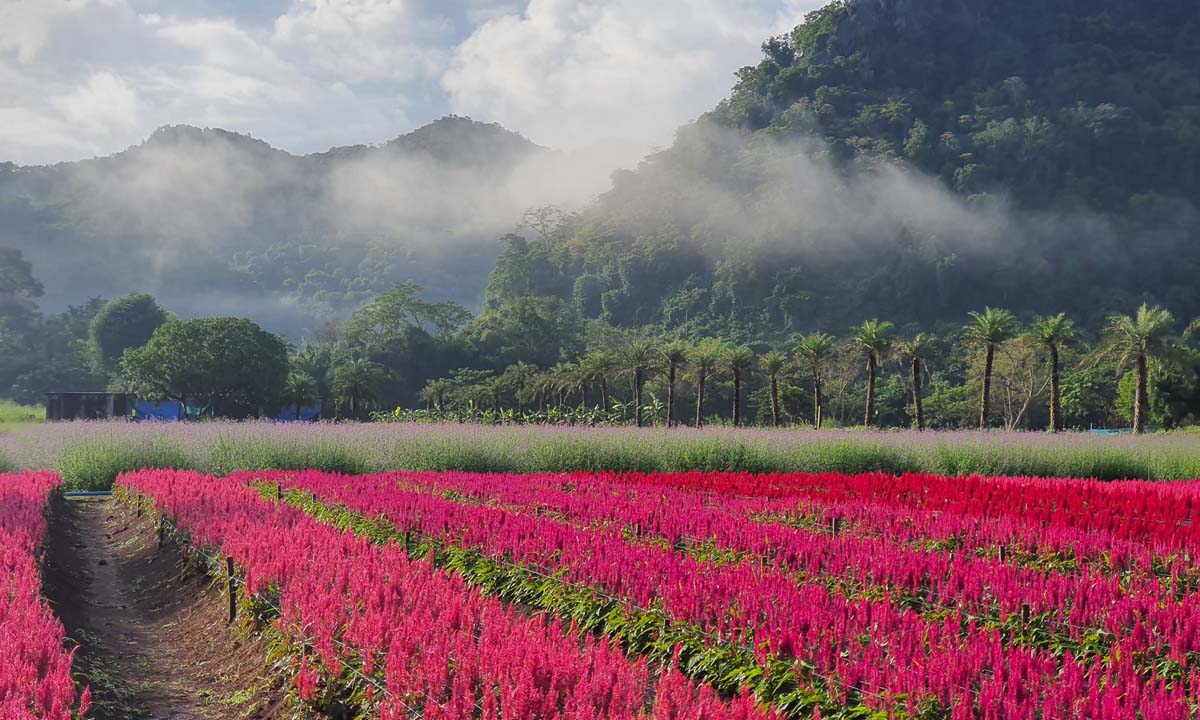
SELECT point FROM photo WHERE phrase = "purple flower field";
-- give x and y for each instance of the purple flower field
(90, 453)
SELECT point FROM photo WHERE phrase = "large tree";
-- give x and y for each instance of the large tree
(1140, 339)
(639, 358)
(872, 339)
(356, 385)
(987, 331)
(703, 360)
(674, 358)
(739, 360)
(121, 324)
(814, 352)
(772, 365)
(1053, 333)
(229, 364)
(915, 353)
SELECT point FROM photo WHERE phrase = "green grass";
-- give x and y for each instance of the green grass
(91, 455)
(13, 415)
(96, 465)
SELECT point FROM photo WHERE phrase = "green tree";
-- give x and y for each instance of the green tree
(772, 365)
(1053, 333)
(988, 331)
(537, 330)
(674, 358)
(739, 360)
(121, 324)
(356, 385)
(639, 358)
(300, 391)
(872, 339)
(226, 362)
(398, 309)
(703, 360)
(814, 352)
(915, 353)
(1140, 339)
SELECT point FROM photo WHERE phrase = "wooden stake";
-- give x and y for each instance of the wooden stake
(162, 528)
(232, 589)
(835, 526)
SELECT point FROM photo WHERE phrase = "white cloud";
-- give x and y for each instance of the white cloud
(360, 40)
(570, 72)
(84, 77)
(106, 101)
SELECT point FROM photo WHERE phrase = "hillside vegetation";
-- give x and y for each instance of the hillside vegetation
(910, 158)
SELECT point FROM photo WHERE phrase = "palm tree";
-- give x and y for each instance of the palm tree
(600, 366)
(1053, 333)
(434, 393)
(356, 384)
(916, 352)
(703, 360)
(872, 340)
(300, 390)
(989, 330)
(639, 357)
(814, 352)
(1140, 338)
(772, 365)
(674, 358)
(738, 361)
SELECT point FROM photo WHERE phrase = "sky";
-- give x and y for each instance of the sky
(82, 78)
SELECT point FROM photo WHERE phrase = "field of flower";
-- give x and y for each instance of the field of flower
(709, 594)
(35, 668)
(91, 455)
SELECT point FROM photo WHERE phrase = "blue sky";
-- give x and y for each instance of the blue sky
(80, 78)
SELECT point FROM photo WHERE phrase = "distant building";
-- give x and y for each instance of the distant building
(88, 405)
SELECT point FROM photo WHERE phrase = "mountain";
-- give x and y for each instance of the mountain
(910, 159)
(215, 222)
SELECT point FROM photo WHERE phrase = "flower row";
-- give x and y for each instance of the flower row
(35, 669)
(867, 646)
(441, 649)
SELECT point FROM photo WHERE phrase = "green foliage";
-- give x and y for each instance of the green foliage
(96, 465)
(356, 386)
(121, 324)
(225, 362)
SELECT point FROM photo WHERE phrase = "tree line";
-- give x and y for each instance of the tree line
(1030, 359)
(536, 359)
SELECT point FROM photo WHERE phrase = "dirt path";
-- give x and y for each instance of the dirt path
(153, 634)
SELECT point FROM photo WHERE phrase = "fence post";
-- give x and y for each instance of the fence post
(162, 528)
(232, 589)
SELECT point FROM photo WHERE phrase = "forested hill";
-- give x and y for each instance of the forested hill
(910, 159)
(217, 223)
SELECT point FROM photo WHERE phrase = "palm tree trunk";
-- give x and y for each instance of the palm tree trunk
(989, 361)
(818, 402)
(1056, 423)
(871, 371)
(774, 400)
(700, 399)
(671, 396)
(604, 393)
(918, 408)
(637, 395)
(583, 390)
(737, 399)
(1140, 397)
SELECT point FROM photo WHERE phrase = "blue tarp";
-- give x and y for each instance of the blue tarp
(306, 414)
(166, 410)
(171, 410)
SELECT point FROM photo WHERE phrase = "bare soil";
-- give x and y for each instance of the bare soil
(152, 628)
